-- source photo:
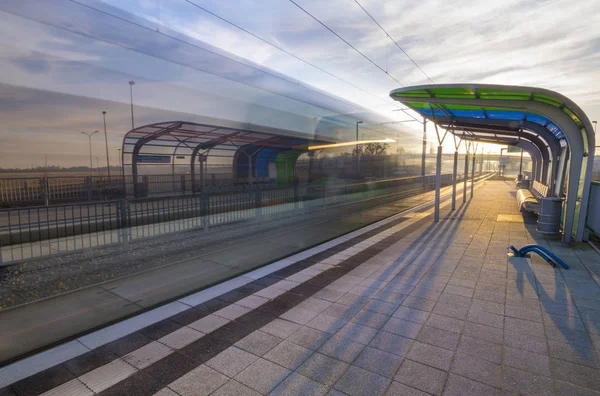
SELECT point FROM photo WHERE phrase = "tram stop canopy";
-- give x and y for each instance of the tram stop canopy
(246, 155)
(552, 128)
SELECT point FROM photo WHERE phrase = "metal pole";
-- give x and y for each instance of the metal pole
(466, 175)
(106, 143)
(424, 149)
(131, 83)
(357, 164)
(89, 135)
(438, 184)
(473, 173)
(521, 166)
(454, 172)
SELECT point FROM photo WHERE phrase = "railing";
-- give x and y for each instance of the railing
(46, 230)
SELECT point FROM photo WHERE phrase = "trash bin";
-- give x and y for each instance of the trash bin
(548, 221)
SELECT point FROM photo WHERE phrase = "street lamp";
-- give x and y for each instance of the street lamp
(106, 142)
(131, 83)
(89, 135)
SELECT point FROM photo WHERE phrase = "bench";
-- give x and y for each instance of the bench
(529, 199)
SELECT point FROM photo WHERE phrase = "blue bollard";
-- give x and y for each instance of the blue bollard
(544, 253)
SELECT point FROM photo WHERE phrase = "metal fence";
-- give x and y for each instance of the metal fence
(46, 230)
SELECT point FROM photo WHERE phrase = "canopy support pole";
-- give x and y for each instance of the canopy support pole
(455, 171)
(473, 171)
(466, 174)
(438, 169)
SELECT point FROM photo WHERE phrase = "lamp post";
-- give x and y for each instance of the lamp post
(106, 143)
(89, 135)
(131, 84)
(357, 163)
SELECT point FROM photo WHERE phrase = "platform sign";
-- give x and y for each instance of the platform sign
(505, 159)
(513, 149)
(153, 159)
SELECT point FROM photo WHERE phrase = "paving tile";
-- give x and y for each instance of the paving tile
(391, 343)
(418, 303)
(480, 348)
(231, 312)
(564, 389)
(280, 328)
(454, 311)
(160, 329)
(527, 360)
(454, 299)
(43, 381)
(422, 377)
(357, 382)
(574, 354)
(414, 315)
(208, 323)
(477, 369)
(357, 332)
(340, 311)
(231, 361)
(89, 361)
(234, 388)
(299, 315)
(309, 338)
(398, 389)
(431, 355)
(297, 384)
(258, 342)
(148, 354)
(526, 383)
(127, 344)
(341, 348)
(402, 327)
(577, 374)
(487, 306)
(370, 318)
(378, 361)
(440, 338)
(205, 348)
(461, 386)
(201, 381)
(314, 304)
(170, 368)
(252, 301)
(181, 337)
(262, 375)
(139, 384)
(526, 342)
(523, 313)
(288, 354)
(326, 323)
(106, 376)
(459, 290)
(523, 326)
(445, 323)
(382, 307)
(486, 318)
(323, 369)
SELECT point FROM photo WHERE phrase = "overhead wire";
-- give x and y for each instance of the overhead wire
(394, 41)
(302, 59)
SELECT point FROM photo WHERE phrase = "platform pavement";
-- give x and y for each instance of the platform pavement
(417, 309)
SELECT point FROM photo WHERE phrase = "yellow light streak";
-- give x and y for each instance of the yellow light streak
(354, 143)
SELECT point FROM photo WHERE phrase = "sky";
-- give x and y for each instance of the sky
(62, 62)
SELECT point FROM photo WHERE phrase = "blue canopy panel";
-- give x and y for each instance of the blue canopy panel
(456, 113)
